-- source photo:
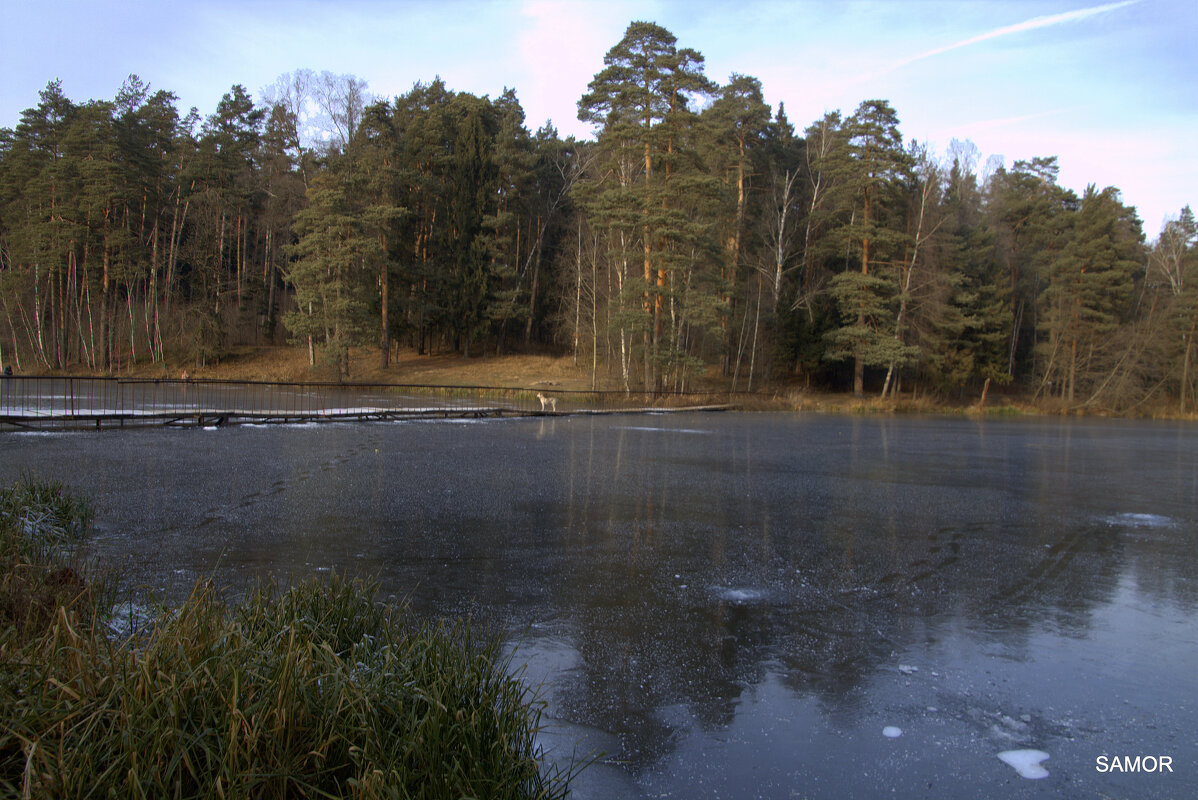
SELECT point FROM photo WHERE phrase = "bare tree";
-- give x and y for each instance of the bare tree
(293, 93)
(824, 146)
(965, 154)
(342, 98)
(323, 109)
(929, 181)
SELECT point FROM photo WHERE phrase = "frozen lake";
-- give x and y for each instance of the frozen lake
(734, 605)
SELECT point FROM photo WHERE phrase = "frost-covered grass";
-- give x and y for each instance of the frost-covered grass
(317, 691)
(40, 521)
(41, 524)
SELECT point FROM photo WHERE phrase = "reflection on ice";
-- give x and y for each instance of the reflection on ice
(1026, 762)
(846, 577)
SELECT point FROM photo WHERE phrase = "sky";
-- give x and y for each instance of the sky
(1110, 87)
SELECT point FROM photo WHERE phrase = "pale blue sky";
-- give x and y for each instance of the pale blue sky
(1108, 87)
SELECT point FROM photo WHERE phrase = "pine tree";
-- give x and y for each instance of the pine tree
(39, 225)
(1088, 290)
(284, 196)
(642, 102)
(331, 272)
(736, 126)
(1173, 263)
(866, 298)
(969, 336)
(1031, 217)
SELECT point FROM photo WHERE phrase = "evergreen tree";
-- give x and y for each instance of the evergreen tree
(1088, 290)
(866, 298)
(39, 224)
(331, 271)
(283, 197)
(736, 128)
(1173, 263)
(641, 101)
(969, 338)
(1031, 217)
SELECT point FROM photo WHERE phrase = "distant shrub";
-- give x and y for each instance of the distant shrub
(1004, 411)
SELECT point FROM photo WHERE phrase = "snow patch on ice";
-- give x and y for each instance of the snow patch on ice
(1130, 520)
(733, 594)
(1026, 762)
(891, 732)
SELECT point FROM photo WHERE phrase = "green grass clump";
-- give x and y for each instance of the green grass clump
(1004, 411)
(318, 691)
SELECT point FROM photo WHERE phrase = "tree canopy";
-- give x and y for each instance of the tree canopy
(697, 234)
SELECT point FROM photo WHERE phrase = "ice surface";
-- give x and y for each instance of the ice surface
(1026, 762)
(1016, 606)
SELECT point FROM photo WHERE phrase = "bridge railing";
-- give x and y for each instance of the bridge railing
(44, 401)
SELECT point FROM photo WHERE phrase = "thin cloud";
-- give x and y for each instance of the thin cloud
(1035, 23)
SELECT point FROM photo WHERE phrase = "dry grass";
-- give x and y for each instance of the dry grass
(320, 691)
(539, 371)
(290, 364)
(842, 403)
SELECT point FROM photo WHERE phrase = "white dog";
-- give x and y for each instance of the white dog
(547, 402)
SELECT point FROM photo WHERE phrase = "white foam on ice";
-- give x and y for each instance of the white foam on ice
(1026, 762)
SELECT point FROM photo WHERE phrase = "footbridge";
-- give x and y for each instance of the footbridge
(73, 403)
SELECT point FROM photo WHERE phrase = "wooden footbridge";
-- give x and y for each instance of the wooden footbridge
(65, 403)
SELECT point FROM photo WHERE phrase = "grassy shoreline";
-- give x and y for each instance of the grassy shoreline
(319, 690)
(528, 371)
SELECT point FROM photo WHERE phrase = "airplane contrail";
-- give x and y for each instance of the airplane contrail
(1028, 25)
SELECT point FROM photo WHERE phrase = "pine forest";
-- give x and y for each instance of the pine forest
(700, 235)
